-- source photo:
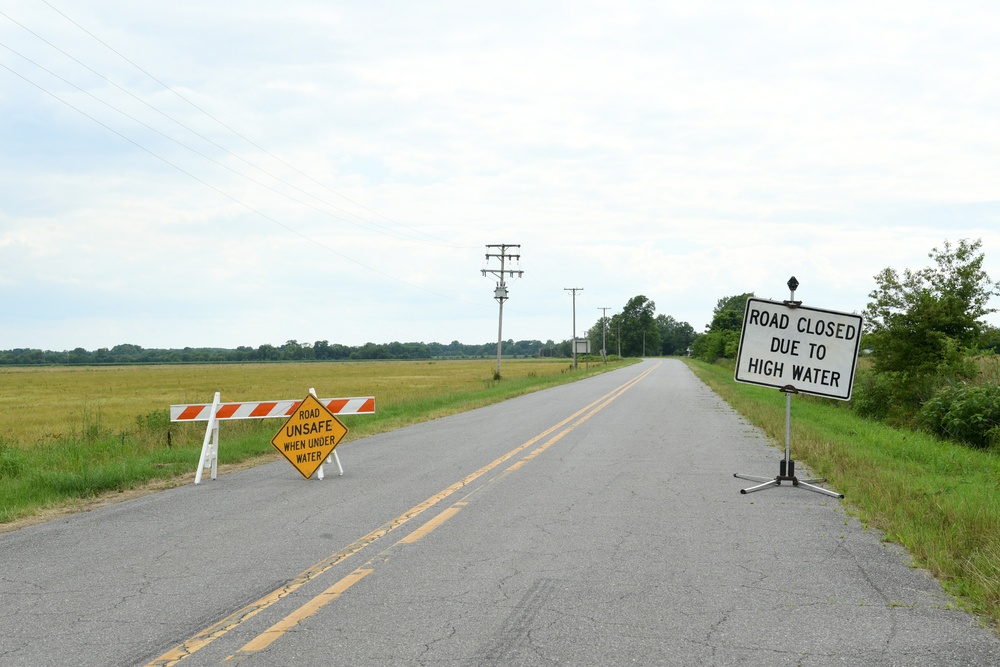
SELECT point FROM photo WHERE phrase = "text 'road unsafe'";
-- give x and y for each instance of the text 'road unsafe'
(309, 436)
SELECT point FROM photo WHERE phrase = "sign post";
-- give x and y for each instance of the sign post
(797, 350)
(582, 346)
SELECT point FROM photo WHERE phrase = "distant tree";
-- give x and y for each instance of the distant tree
(78, 356)
(728, 313)
(722, 338)
(370, 351)
(639, 335)
(125, 353)
(292, 351)
(268, 352)
(526, 348)
(989, 340)
(598, 335)
(676, 336)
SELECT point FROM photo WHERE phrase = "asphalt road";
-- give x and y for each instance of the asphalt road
(597, 523)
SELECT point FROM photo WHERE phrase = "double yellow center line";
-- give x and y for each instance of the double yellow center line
(231, 622)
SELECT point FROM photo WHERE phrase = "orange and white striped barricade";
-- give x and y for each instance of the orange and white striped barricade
(216, 412)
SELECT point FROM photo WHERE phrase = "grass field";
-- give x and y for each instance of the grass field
(938, 499)
(82, 432)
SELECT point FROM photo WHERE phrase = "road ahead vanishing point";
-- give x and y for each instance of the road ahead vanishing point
(596, 523)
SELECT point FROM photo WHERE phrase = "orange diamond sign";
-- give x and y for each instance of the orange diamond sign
(309, 436)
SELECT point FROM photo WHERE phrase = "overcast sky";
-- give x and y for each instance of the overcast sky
(238, 173)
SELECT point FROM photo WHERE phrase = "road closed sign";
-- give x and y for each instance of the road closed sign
(810, 350)
(309, 436)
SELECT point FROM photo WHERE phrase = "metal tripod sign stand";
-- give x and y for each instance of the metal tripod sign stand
(797, 350)
(786, 467)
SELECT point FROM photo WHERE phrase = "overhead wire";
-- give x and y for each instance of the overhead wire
(379, 228)
(110, 81)
(226, 194)
(189, 148)
(173, 91)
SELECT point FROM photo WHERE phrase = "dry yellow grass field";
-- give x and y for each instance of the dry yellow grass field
(49, 404)
(72, 436)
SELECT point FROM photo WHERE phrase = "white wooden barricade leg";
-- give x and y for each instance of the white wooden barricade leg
(333, 454)
(210, 446)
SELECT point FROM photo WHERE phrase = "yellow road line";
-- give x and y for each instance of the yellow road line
(266, 638)
(432, 524)
(273, 633)
(615, 394)
(217, 630)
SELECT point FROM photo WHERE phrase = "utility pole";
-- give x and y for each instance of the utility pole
(604, 333)
(500, 294)
(574, 290)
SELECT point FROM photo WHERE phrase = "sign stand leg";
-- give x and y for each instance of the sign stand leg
(210, 446)
(333, 455)
(786, 468)
(332, 458)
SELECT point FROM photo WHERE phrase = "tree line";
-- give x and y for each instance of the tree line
(292, 350)
(634, 332)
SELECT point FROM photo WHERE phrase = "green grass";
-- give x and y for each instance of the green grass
(83, 433)
(939, 500)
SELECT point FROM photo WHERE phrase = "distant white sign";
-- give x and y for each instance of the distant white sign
(582, 346)
(812, 350)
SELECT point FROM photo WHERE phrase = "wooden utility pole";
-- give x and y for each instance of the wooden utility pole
(604, 333)
(500, 294)
(574, 290)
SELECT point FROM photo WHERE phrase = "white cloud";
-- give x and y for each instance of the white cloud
(683, 151)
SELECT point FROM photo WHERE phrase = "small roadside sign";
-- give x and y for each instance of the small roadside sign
(309, 436)
(810, 350)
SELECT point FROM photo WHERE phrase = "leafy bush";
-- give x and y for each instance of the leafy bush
(969, 414)
(716, 345)
(923, 326)
(872, 395)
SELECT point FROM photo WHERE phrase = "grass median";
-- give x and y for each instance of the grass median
(939, 500)
(76, 435)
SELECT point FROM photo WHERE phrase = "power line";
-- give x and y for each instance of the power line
(229, 196)
(193, 150)
(203, 182)
(376, 226)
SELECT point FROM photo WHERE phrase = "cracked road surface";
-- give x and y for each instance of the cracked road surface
(597, 523)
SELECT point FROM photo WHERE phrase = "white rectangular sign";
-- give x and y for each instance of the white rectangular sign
(812, 350)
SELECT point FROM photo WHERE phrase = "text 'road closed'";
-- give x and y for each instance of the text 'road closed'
(810, 350)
